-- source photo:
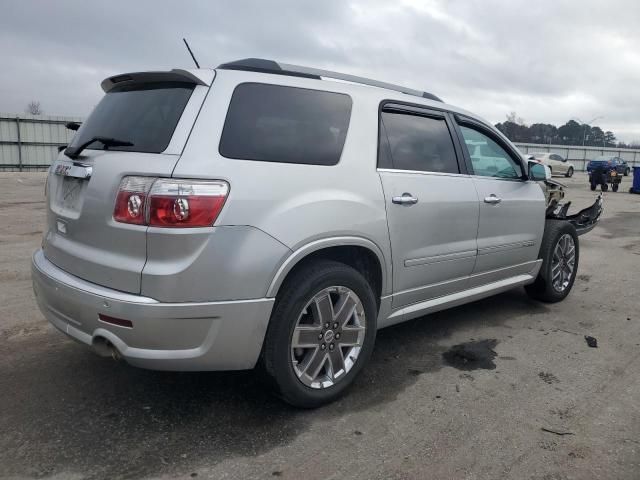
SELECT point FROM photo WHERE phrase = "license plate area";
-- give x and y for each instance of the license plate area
(69, 196)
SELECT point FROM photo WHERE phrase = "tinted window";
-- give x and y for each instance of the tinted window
(272, 123)
(145, 115)
(487, 157)
(418, 143)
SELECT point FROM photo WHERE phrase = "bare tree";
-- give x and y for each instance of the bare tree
(513, 118)
(34, 108)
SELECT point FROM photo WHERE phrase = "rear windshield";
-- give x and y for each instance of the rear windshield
(273, 123)
(144, 115)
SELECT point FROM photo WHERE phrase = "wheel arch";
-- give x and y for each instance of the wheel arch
(360, 253)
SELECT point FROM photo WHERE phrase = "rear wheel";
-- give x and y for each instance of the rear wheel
(614, 187)
(605, 187)
(627, 171)
(321, 333)
(560, 253)
(569, 172)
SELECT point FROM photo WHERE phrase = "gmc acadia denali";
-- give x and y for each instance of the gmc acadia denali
(267, 214)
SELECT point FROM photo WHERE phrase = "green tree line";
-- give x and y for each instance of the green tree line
(571, 133)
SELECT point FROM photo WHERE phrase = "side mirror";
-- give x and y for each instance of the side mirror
(72, 125)
(539, 172)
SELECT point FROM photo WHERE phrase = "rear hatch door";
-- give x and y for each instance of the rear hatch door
(153, 111)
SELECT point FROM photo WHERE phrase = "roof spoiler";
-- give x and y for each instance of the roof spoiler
(179, 76)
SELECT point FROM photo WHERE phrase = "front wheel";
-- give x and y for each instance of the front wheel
(560, 252)
(321, 333)
(605, 187)
(614, 187)
(569, 172)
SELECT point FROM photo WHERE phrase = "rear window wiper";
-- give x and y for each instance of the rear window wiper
(74, 152)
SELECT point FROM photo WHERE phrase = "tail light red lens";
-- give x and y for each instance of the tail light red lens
(131, 201)
(169, 202)
(185, 203)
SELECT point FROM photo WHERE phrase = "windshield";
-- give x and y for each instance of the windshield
(143, 115)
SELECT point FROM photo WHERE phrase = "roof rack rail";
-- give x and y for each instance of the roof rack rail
(271, 66)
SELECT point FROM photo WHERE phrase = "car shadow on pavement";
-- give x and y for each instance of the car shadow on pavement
(66, 411)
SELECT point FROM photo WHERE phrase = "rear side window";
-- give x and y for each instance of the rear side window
(418, 143)
(272, 123)
(145, 115)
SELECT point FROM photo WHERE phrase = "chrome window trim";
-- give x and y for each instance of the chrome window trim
(501, 179)
(423, 172)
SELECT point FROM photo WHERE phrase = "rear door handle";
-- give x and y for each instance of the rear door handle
(493, 199)
(405, 199)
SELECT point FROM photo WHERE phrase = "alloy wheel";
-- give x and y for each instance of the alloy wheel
(563, 262)
(328, 337)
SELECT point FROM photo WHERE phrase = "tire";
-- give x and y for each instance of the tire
(544, 288)
(297, 296)
(593, 187)
(605, 187)
(569, 173)
(627, 172)
(614, 187)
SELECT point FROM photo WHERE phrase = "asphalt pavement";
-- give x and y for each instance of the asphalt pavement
(535, 402)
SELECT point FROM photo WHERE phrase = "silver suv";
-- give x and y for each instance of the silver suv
(267, 214)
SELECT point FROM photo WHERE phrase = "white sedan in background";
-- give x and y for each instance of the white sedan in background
(557, 163)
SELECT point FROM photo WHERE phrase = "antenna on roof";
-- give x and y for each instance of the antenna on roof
(191, 53)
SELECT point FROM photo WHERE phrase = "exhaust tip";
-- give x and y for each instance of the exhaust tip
(105, 348)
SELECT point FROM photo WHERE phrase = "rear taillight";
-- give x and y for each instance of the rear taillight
(131, 201)
(185, 203)
(169, 202)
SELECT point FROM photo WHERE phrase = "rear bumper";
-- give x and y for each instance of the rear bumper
(164, 336)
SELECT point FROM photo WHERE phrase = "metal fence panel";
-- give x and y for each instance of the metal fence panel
(32, 141)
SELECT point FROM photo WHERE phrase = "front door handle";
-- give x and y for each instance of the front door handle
(492, 199)
(405, 199)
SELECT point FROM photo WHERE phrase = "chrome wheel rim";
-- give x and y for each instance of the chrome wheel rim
(328, 337)
(563, 262)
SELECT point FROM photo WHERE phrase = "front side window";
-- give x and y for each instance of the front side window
(487, 157)
(273, 123)
(418, 143)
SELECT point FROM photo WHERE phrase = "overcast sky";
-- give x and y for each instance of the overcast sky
(549, 61)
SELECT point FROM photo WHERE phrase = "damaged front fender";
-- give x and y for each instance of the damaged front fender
(585, 220)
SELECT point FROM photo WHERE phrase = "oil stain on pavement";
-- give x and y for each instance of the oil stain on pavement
(472, 355)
